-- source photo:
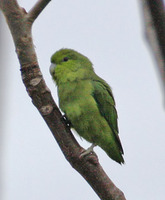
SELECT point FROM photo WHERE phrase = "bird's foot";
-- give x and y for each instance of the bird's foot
(88, 151)
(68, 123)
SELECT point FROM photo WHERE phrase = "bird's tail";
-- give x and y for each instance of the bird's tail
(114, 153)
(116, 157)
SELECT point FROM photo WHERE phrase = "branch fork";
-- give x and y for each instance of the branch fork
(20, 24)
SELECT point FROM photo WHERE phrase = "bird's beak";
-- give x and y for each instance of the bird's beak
(52, 69)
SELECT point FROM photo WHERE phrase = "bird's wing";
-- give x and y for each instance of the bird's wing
(106, 104)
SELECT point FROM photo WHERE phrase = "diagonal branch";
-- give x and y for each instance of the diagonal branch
(37, 9)
(88, 166)
(154, 18)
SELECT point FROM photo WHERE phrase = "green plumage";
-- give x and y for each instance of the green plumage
(87, 101)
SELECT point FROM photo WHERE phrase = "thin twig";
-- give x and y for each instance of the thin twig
(37, 9)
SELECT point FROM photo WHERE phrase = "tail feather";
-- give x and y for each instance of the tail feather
(114, 153)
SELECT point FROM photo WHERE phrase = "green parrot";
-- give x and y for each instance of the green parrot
(87, 101)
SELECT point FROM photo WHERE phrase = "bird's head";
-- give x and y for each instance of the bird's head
(68, 65)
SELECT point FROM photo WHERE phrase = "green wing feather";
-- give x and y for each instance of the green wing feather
(106, 104)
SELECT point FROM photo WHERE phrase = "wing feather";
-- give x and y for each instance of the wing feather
(103, 96)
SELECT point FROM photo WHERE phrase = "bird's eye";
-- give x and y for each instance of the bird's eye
(65, 59)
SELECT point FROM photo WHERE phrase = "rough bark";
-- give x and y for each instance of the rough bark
(20, 23)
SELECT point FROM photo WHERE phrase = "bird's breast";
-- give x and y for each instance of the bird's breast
(75, 98)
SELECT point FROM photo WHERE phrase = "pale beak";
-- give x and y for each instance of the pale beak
(52, 69)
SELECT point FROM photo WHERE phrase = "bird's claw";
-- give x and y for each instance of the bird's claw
(68, 123)
(88, 151)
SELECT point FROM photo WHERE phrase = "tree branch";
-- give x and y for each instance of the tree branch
(10, 4)
(154, 18)
(37, 9)
(88, 166)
